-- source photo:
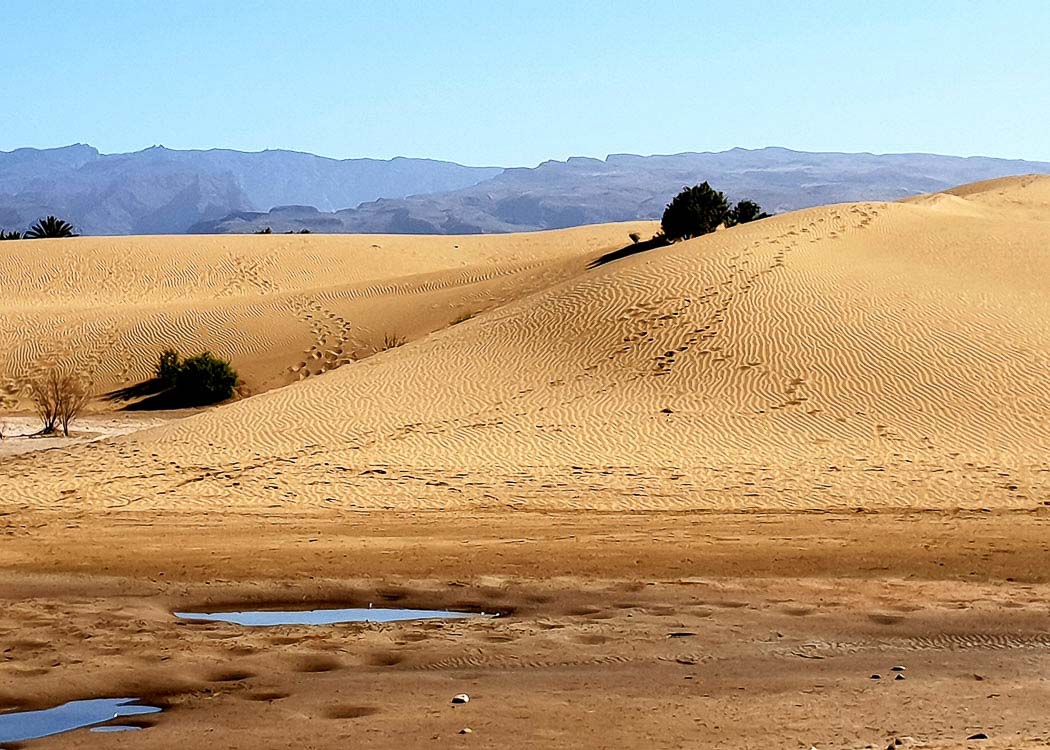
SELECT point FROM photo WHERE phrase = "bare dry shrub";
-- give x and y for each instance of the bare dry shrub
(58, 398)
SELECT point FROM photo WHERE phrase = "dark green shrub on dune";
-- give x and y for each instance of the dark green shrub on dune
(701, 209)
(196, 381)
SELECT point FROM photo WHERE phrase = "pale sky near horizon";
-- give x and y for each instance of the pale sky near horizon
(516, 83)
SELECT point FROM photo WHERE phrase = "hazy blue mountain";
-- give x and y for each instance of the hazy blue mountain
(624, 186)
(161, 190)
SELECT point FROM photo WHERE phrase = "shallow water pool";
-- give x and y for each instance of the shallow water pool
(265, 617)
(29, 725)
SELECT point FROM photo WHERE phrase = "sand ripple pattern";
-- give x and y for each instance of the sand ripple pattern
(888, 357)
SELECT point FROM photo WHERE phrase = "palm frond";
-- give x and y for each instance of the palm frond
(48, 228)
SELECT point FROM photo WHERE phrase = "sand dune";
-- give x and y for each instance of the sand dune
(280, 307)
(866, 355)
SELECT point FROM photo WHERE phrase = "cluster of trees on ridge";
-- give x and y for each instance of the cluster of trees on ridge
(694, 212)
(701, 209)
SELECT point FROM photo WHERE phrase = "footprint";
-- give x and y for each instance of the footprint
(885, 619)
(350, 712)
(318, 663)
(230, 676)
(385, 659)
(264, 697)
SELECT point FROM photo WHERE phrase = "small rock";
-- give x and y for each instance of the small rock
(876, 677)
(898, 669)
(978, 677)
(466, 730)
(899, 677)
(666, 411)
(978, 736)
(460, 699)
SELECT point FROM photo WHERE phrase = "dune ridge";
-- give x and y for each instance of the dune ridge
(877, 356)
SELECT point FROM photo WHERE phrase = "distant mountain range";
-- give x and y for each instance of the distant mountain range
(164, 191)
(161, 190)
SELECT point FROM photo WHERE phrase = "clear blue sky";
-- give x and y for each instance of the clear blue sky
(514, 83)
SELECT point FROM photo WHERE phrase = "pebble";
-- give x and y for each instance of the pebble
(899, 677)
(466, 730)
(460, 699)
(876, 677)
(898, 669)
(978, 736)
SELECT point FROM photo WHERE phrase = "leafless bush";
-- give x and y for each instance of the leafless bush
(392, 341)
(58, 399)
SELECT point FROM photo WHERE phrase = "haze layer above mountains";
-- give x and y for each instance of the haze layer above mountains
(165, 191)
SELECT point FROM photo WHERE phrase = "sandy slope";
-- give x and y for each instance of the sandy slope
(280, 307)
(846, 356)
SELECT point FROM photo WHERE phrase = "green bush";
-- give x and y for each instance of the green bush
(701, 210)
(744, 212)
(168, 367)
(203, 379)
(695, 211)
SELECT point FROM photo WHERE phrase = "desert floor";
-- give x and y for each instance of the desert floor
(711, 489)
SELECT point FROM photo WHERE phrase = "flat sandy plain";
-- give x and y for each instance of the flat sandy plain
(712, 488)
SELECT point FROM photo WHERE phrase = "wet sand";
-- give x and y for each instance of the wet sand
(662, 630)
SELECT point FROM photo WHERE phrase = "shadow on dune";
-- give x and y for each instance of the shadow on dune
(149, 395)
(625, 252)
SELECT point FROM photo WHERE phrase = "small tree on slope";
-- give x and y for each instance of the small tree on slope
(695, 211)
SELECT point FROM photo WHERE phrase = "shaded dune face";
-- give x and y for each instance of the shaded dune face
(859, 355)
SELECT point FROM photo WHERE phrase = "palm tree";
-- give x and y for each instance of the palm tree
(48, 228)
(12, 235)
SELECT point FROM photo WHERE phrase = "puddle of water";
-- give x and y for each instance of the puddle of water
(323, 616)
(30, 725)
